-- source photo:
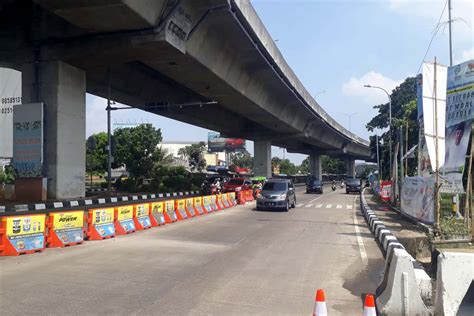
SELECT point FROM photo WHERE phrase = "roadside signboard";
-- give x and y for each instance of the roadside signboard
(10, 89)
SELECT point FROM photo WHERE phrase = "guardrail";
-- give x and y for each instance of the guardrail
(30, 229)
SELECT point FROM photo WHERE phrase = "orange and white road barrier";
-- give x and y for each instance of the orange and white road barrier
(369, 306)
(320, 308)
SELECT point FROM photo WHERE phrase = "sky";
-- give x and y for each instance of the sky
(335, 47)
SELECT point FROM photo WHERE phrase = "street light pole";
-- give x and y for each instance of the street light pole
(377, 146)
(390, 123)
(350, 117)
(109, 137)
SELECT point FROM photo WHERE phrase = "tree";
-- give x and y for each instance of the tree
(242, 159)
(332, 165)
(404, 111)
(96, 154)
(304, 167)
(137, 148)
(287, 167)
(195, 156)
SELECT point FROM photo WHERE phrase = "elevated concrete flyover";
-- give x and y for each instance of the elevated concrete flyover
(171, 58)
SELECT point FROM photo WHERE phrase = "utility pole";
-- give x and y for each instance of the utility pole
(401, 161)
(406, 149)
(436, 185)
(450, 35)
(109, 137)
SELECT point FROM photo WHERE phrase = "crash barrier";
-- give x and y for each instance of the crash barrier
(170, 213)
(142, 216)
(180, 208)
(65, 229)
(390, 296)
(320, 307)
(190, 207)
(157, 216)
(219, 202)
(243, 196)
(24, 234)
(455, 283)
(124, 222)
(213, 204)
(198, 206)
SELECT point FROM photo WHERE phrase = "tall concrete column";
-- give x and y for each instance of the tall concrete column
(262, 161)
(62, 88)
(350, 165)
(315, 166)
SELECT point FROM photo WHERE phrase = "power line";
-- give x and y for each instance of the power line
(435, 31)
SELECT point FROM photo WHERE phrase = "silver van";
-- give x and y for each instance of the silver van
(277, 194)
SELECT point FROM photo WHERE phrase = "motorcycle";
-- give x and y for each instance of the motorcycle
(333, 187)
(342, 185)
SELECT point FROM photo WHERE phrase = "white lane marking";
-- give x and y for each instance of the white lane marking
(299, 205)
(308, 205)
(339, 206)
(360, 242)
(329, 206)
(316, 198)
(319, 206)
(349, 207)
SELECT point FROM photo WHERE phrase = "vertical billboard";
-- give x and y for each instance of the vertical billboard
(10, 89)
(217, 143)
(28, 140)
(459, 118)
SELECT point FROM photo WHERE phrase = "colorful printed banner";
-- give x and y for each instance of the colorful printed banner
(417, 198)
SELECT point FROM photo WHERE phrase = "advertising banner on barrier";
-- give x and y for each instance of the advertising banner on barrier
(190, 207)
(181, 209)
(26, 233)
(457, 141)
(103, 221)
(142, 214)
(156, 215)
(125, 219)
(417, 198)
(198, 205)
(170, 214)
(460, 93)
(69, 226)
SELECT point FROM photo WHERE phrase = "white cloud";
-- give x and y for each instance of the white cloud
(461, 13)
(355, 87)
(465, 55)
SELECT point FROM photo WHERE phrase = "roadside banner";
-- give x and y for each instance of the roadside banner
(22, 234)
(157, 216)
(65, 228)
(385, 190)
(142, 216)
(100, 223)
(434, 111)
(170, 213)
(457, 142)
(417, 198)
(460, 93)
(124, 223)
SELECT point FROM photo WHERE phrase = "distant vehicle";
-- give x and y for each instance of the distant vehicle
(277, 194)
(237, 184)
(314, 186)
(353, 185)
(333, 187)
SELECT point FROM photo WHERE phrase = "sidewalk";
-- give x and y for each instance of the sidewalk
(411, 236)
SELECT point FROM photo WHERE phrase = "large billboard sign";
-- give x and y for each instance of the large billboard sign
(28, 140)
(216, 143)
(10, 94)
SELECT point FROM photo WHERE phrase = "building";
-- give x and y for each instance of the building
(173, 147)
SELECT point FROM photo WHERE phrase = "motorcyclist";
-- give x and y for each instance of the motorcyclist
(217, 185)
(333, 186)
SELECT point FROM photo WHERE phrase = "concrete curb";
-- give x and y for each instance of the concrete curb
(388, 243)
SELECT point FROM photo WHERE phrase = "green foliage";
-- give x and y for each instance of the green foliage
(242, 159)
(137, 149)
(174, 179)
(287, 167)
(195, 156)
(404, 112)
(304, 167)
(452, 227)
(96, 154)
(7, 176)
(333, 165)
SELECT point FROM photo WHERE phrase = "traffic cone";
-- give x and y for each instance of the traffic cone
(320, 304)
(369, 306)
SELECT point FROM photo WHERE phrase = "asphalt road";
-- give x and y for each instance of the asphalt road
(236, 262)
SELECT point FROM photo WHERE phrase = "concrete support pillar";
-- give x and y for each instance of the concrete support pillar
(262, 158)
(62, 88)
(350, 165)
(315, 166)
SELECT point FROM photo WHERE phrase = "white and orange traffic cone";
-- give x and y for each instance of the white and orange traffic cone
(320, 304)
(369, 306)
